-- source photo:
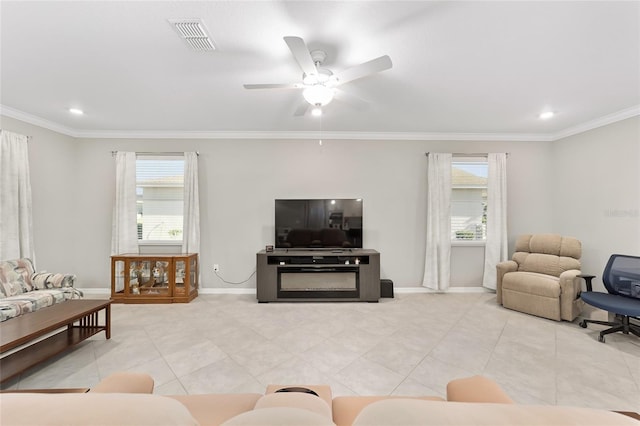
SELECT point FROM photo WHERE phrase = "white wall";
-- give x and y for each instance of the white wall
(239, 179)
(597, 192)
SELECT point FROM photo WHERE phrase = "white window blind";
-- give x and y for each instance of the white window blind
(469, 199)
(160, 194)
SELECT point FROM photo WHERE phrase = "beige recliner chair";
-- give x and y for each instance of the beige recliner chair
(541, 277)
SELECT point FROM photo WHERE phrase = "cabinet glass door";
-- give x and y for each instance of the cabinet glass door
(118, 279)
(181, 287)
(148, 278)
(193, 273)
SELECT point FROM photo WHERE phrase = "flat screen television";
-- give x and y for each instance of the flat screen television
(318, 224)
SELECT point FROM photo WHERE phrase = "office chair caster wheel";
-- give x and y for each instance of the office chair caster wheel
(583, 324)
(601, 339)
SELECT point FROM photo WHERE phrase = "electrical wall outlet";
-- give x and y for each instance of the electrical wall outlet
(216, 267)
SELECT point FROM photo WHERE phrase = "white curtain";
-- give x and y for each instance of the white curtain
(437, 266)
(495, 250)
(124, 232)
(16, 225)
(191, 212)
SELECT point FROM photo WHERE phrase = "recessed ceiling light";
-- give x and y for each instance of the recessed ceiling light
(546, 115)
(76, 111)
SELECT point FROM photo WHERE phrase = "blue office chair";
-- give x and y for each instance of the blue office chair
(621, 277)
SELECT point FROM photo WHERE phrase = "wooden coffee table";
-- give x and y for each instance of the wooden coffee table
(80, 317)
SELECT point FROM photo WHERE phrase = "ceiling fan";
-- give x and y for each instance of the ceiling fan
(319, 85)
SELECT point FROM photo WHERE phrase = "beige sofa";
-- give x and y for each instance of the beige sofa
(540, 279)
(126, 399)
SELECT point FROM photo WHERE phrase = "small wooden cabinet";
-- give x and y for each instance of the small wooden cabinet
(157, 278)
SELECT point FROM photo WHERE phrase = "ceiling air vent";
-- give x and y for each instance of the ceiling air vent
(194, 33)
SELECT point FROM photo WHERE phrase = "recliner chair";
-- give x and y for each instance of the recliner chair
(541, 277)
(621, 278)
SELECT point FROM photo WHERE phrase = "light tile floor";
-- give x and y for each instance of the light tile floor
(410, 345)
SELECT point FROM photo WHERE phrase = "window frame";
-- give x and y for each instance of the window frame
(160, 157)
(465, 160)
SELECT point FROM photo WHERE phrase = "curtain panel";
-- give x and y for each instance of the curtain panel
(16, 222)
(496, 247)
(437, 265)
(191, 212)
(124, 232)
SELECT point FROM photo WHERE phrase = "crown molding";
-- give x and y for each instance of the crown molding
(310, 135)
(306, 135)
(35, 120)
(598, 122)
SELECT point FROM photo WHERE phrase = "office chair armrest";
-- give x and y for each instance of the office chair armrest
(587, 280)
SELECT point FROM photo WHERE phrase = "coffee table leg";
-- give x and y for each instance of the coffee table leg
(108, 321)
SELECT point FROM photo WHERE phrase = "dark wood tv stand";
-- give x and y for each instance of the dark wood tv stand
(299, 275)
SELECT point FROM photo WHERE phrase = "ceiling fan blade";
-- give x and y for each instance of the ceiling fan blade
(301, 54)
(273, 86)
(371, 67)
(302, 109)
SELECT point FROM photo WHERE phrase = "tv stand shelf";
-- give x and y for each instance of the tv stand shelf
(351, 275)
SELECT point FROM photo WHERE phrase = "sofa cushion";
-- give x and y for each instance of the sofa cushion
(532, 283)
(476, 389)
(42, 280)
(296, 400)
(407, 412)
(92, 409)
(279, 416)
(549, 254)
(554, 244)
(545, 263)
(14, 308)
(347, 408)
(214, 409)
(125, 382)
(323, 391)
(20, 304)
(15, 277)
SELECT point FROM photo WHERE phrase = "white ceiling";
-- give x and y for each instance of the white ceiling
(484, 69)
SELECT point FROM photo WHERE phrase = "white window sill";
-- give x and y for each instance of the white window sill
(160, 243)
(472, 243)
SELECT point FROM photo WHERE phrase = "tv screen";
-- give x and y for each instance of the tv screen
(318, 224)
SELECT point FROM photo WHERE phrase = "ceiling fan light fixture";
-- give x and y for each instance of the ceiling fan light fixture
(318, 95)
(319, 85)
(310, 79)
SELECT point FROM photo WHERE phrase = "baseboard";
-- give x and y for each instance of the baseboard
(408, 290)
(227, 290)
(95, 291)
(107, 292)
(244, 290)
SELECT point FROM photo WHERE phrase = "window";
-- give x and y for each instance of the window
(469, 199)
(159, 198)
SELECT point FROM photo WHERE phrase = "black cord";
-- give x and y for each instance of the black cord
(234, 283)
